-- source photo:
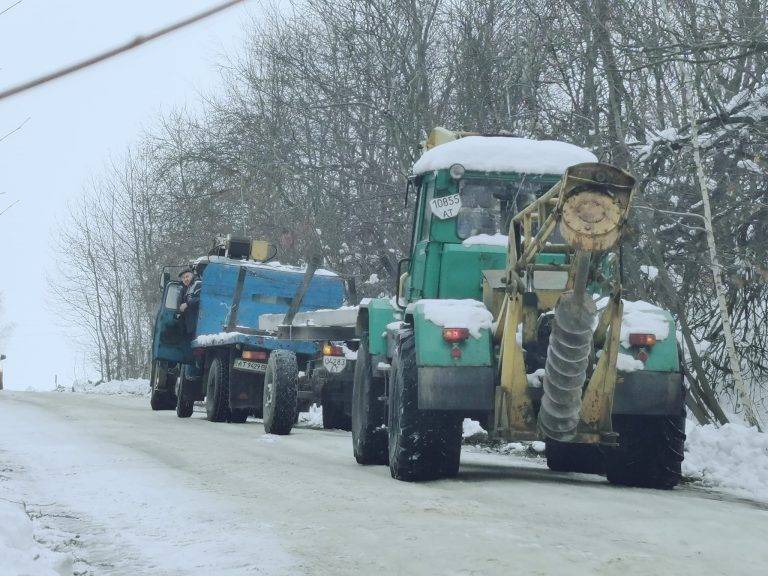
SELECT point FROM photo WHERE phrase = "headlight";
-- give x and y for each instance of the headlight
(456, 171)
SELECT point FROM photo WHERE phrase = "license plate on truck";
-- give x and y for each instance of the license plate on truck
(250, 365)
(334, 364)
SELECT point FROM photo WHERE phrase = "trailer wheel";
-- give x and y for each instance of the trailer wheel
(568, 457)
(217, 391)
(185, 405)
(369, 415)
(162, 399)
(650, 451)
(423, 445)
(239, 416)
(334, 417)
(281, 391)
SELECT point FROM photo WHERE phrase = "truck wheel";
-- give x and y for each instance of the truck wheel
(281, 390)
(650, 451)
(217, 391)
(568, 457)
(369, 416)
(185, 405)
(423, 445)
(239, 416)
(162, 397)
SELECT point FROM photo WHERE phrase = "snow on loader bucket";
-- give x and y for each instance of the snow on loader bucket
(509, 311)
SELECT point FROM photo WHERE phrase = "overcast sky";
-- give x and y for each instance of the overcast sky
(74, 125)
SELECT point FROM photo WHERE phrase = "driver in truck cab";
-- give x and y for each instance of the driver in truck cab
(189, 301)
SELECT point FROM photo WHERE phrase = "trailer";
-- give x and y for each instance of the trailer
(237, 368)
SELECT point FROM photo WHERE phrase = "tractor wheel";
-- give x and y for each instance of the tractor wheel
(568, 457)
(239, 416)
(423, 445)
(161, 398)
(281, 391)
(217, 391)
(369, 416)
(650, 451)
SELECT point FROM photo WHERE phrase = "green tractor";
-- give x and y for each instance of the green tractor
(509, 311)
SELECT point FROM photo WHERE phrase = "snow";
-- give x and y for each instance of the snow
(487, 240)
(372, 279)
(650, 271)
(20, 554)
(344, 316)
(383, 367)
(471, 427)
(536, 379)
(504, 154)
(273, 265)
(627, 363)
(640, 317)
(733, 456)
(132, 387)
(220, 339)
(313, 418)
(469, 314)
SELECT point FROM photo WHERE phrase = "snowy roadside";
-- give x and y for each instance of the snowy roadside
(732, 458)
(131, 387)
(21, 553)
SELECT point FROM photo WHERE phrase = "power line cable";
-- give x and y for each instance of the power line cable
(136, 42)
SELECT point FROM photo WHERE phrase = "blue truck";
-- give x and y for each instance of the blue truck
(238, 369)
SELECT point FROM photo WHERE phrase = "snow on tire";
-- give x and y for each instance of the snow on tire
(281, 392)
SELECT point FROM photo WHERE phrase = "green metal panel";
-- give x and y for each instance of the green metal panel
(432, 350)
(662, 356)
(380, 313)
(549, 258)
(461, 271)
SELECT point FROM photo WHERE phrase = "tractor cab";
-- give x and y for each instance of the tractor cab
(465, 204)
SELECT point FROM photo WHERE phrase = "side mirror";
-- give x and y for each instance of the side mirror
(400, 280)
(2, 356)
(165, 278)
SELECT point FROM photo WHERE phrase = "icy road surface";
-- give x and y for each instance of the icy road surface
(129, 491)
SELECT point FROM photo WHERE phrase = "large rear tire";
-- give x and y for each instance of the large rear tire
(281, 390)
(369, 411)
(567, 457)
(423, 445)
(217, 391)
(650, 451)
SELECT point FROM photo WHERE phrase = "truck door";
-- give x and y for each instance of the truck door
(168, 340)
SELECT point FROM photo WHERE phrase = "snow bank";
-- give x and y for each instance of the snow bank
(640, 318)
(313, 418)
(487, 240)
(504, 154)
(20, 553)
(469, 314)
(733, 456)
(132, 387)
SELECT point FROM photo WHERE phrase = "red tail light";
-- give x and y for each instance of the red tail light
(255, 354)
(455, 334)
(642, 339)
(332, 350)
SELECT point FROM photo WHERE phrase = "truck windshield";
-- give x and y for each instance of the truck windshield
(488, 205)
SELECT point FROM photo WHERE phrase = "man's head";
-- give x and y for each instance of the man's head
(186, 276)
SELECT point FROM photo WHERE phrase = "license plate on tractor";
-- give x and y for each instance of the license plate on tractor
(250, 365)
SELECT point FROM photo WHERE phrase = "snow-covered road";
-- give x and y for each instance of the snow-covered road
(129, 491)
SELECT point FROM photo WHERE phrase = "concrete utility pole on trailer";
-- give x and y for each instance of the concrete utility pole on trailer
(2, 357)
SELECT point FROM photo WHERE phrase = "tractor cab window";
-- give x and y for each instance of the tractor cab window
(172, 295)
(486, 206)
